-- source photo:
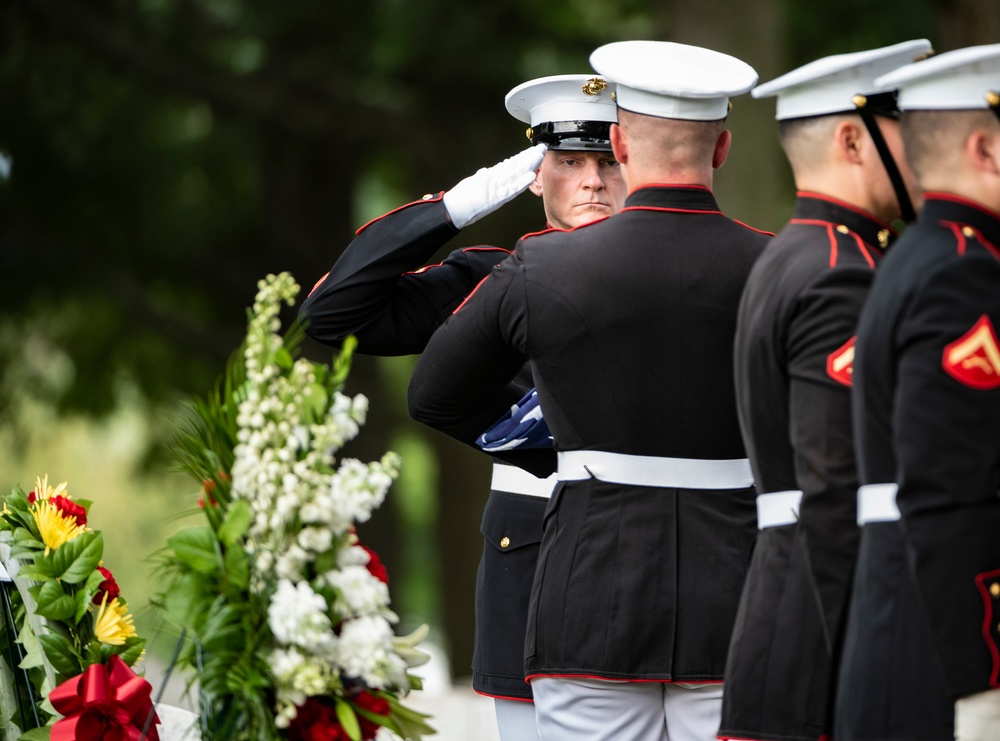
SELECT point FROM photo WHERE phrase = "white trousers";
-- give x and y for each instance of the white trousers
(576, 709)
(977, 717)
(516, 720)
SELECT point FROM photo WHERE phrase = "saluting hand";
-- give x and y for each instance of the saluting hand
(491, 187)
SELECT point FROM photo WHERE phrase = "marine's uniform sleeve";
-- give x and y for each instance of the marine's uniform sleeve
(378, 291)
(462, 382)
(820, 345)
(946, 421)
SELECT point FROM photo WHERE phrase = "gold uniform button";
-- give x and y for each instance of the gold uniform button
(427, 196)
(883, 238)
(843, 229)
(504, 541)
(995, 589)
(968, 231)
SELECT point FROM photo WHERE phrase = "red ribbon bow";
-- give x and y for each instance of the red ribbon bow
(105, 703)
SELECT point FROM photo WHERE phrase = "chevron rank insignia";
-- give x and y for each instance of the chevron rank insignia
(840, 364)
(974, 358)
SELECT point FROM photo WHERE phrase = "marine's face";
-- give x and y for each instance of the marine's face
(579, 187)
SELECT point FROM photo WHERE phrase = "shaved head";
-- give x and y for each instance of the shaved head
(670, 144)
(807, 141)
(934, 140)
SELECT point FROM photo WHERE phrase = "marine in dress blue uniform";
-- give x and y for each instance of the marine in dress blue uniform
(930, 372)
(794, 347)
(648, 534)
(379, 292)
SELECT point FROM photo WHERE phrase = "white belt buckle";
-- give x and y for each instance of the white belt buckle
(778, 508)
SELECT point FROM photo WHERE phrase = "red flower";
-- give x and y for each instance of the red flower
(317, 721)
(375, 566)
(109, 586)
(69, 508)
(32, 497)
(374, 704)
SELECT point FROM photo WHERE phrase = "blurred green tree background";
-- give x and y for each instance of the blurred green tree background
(157, 157)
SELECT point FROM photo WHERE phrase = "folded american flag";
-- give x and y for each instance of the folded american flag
(522, 427)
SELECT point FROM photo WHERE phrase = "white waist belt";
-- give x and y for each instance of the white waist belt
(646, 470)
(877, 503)
(518, 481)
(778, 508)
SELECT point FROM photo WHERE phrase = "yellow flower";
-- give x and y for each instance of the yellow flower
(113, 624)
(44, 491)
(54, 526)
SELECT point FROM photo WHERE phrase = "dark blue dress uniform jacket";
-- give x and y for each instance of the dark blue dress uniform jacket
(628, 324)
(910, 429)
(794, 345)
(378, 292)
(932, 374)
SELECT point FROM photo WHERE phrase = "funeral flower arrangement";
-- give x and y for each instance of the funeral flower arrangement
(287, 617)
(75, 639)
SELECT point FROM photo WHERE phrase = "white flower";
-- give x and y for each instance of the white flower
(365, 652)
(315, 539)
(297, 616)
(362, 593)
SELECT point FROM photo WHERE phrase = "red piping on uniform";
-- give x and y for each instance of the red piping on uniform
(425, 268)
(937, 195)
(833, 245)
(958, 230)
(673, 210)
(503, 697)
(621, 679)
(845, 204)
(988, 623)
(959, 236)
(864, 250)
(317, 283)
(438, 197)
(824, 737)
(753, 228)
(557, 229)
(466, 299)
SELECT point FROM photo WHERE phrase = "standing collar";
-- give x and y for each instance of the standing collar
(947, 207)
(811, 206)
(673, 197)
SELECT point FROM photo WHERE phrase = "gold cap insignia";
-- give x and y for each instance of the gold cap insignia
(530, 132)
(992, 99)
(594, 86)
(860, 101)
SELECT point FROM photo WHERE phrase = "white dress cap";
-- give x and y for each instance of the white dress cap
(956, 80)
(670, 80)
(828, 85)
(566, 111)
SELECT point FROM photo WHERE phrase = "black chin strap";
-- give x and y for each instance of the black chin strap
(905, 205)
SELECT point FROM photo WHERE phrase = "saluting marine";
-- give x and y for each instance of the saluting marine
(794, 350)
(928, 377)
(649, 531)
(378, 291)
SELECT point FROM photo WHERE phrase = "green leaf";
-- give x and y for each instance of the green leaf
(347, 718)
(37, 734)
(237, 570)
(60, 654)
(185, 601)
(53, 602)
(132, 650)
(75, 560)
(33, 655)
(85, 595)
(196, 548)
(236, 523)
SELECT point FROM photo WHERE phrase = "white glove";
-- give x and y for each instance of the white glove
(492, 187)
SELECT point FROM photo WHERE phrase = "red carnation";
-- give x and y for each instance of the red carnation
(317, 721)
(32, 497)
(375, 566)
(374, 704)
(109, 586)
(69, 508)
